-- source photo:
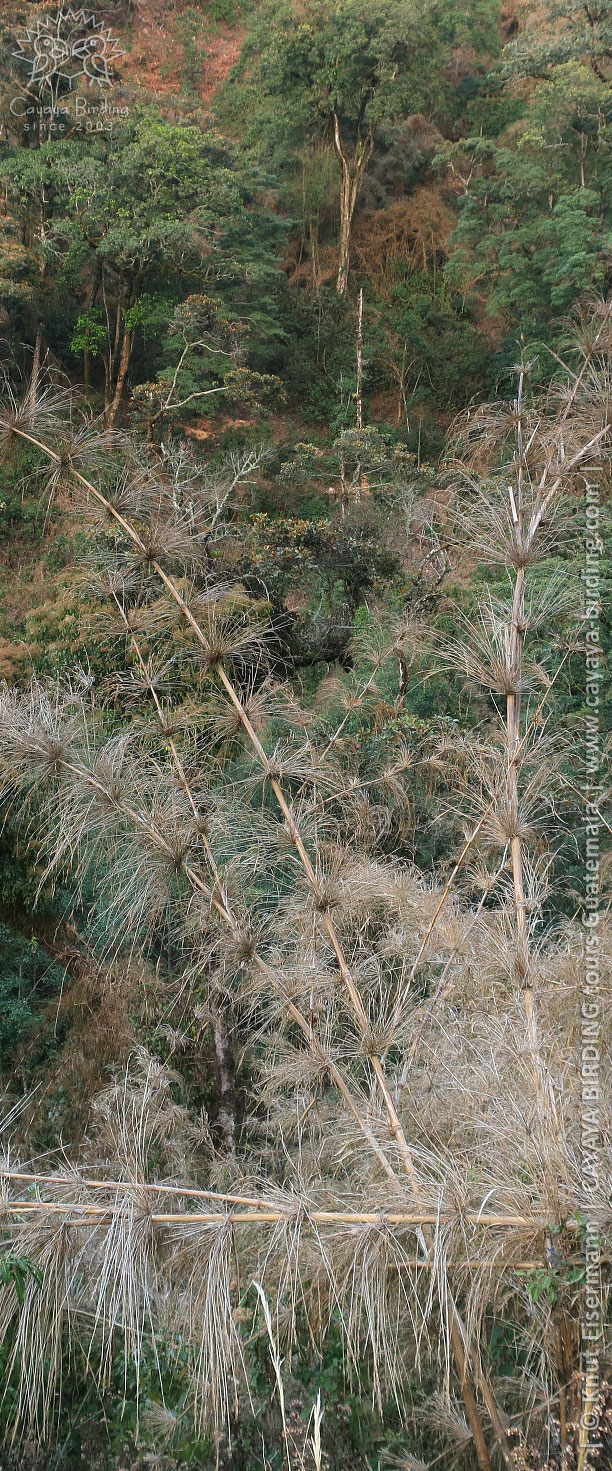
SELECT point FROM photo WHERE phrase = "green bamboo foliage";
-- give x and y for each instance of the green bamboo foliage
(412, 1151)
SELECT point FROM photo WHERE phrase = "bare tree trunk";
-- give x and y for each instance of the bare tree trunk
(117, 340)
(107, 384)
(353, 170)
(360, 362)
(110, 358)
(124, 363)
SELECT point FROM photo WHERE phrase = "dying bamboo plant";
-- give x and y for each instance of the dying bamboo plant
(416, 1151)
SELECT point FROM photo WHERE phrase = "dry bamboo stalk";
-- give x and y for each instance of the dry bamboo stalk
(269, 1213)
(512, 763)
(514, 756)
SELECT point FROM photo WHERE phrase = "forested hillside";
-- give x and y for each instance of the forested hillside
(305, 442)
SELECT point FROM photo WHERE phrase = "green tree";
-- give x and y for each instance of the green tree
(130, 226)
(159, 196)
(535, 220)
(536, 213)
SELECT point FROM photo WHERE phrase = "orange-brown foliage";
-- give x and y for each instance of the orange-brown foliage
(412, 231)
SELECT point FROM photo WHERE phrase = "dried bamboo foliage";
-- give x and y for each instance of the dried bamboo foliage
(417, 1144)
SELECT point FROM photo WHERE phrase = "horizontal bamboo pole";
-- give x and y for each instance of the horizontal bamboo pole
(318, 1217)
(262, 1210)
